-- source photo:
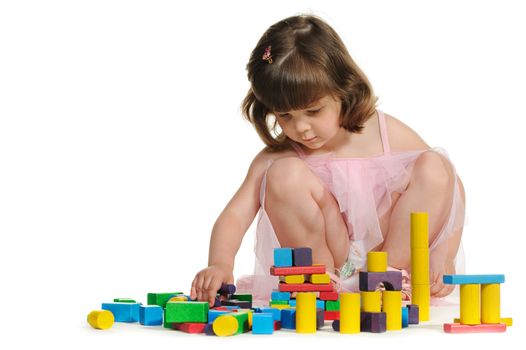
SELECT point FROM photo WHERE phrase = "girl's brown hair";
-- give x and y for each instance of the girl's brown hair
(309, 61)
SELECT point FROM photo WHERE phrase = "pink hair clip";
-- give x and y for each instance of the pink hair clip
(267, 56)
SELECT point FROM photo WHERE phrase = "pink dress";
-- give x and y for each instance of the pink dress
(362, 188)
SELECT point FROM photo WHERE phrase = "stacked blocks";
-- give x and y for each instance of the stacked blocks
(123, 312)
(421, 290)
(479, 304)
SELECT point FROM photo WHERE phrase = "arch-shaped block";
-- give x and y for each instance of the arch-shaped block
(392, 280)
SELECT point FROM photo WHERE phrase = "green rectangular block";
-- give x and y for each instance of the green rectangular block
(242, 297)
(279, 302)
(124, 300)
(160, 298)
(332, 305)
(187, 311)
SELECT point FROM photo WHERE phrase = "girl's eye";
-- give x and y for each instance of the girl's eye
(283, 116)
(315, 111)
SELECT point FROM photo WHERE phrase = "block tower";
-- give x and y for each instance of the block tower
(421, 290)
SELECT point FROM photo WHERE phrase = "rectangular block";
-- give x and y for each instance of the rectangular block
(292, 279)
(320, 304)
(473, 279)
(405, 317)
(332, 305)
(186, 311)
(190, 327)
(320, 318)
(305, 287)
(412, 311)
(277, 295)
(262, 323)
(124, 300)
(150, 315)
(279, 302)
(328, 296)
(288, 318)
(332, 315)
(296, 270)
(123, 312)
(374, 322)
(275, 312)
(302, 256)
(319, 278)
(242, 296)
(282, 257)
(368, 281)
(213, 314)
(479, 328)
(161, 298)
(240, 303)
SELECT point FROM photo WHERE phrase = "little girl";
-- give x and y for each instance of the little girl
(336, 175)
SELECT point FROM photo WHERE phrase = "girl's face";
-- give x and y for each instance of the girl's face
(314, 127)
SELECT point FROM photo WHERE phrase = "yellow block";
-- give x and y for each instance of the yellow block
(376, 261)
(420, 265)
(490, 303)
(470, 304)
(421, 296)
(280, 306)
(419, 230)
(349, 313)
(293, 279)
(178, 298)
(306, 313)
(508, 321)
(317, 278)
(225, 325)
(392, 306)
(101, 319)
(371, 301)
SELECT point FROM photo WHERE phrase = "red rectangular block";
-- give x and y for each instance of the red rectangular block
(332, 315)
(277, 325)
(328, 295)
(305, 287)
(190, 327)
(296, 270)
(479, 328)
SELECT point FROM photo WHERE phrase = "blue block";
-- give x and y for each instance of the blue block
(262, 323)
(288, 318)
(283, 296)
(283, 257)
(320, 304)
(123, 312)
(276, 313)
(405, 317)
(213, 314)
(150, 315)
(473, 279)
(231, 307)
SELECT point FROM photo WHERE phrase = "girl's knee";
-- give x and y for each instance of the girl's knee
(286, 175)
(432, 170)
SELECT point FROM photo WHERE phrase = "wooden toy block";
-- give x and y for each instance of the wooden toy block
(123, 312)
(190, 327)
(306, 313)
(282, 257)
(178, 298)
(392, 280)
(262, 323)
(470, 304)
(186, 311)
(288, 318)
(421, 274)
(336, 325)
(226, 289)
(209, 329)
(305, 287)
(297, 270)
(405, 317)
(328, 296)
(392, 306)
(349, 313)
(302, 256)
(332, 315)
(508, 321)
(473, 279)
(413, 316)
(242, 296)
(320, 304)
(421, 296)
(232, 308)
(124, 300)
(279, 302)
(101, 319)
(277, 325)
(332, 305)
(490, 303)
(419, 237)
(280, 307)
(419, 230)
(320, 278)
(241, 303)
(161, 298)
(371, 301)
(282, 296)
(376, 261)
(225, 325)
(213, 314)
(320, 318)
(480, 328)
(275, 312)
(150, 315)
(292, 279)
(374, 322)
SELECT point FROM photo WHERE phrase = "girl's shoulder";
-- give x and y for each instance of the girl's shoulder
(401, 137)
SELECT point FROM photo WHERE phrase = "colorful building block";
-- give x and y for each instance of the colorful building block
(150, 315)
(186, 311)
(124, 300)
(490, 303)
(288, 318)
(319, 278)
(470, 304)
(277, 295)
(296, 270)
(349, 313)
(392, 306)
(282, 257)
(190, 327)
(374, 322)
(480, 328)
(368, 281)
(332, 315)
(161, 298)
(377, 261)
(262, 323)
(306, 313)
(419, 237)
(305, 287)
(123, 312)
(275, 312)
(371, 301)
(214, 313)
(405, 317)
(240, 303)
(302, 256)
(101, 319)
(473, 279)
(412, 311)
(320, 318)
(320, 304)
(233, 323)
(292, 279)
(226, 289)
(329, 296)
(334, 305)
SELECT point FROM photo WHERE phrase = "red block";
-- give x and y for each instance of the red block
(328, 295)
(332, 315)
(296, 270)
(479, 328)
(305, 287)
(277, 325)
(190, 327)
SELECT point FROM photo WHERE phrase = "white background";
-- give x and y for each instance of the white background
(121, 140)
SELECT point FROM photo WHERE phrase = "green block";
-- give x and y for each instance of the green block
(160, 298)
(332, 305)
(186, 311)
(242, 321)
(242, 297)
(124, 300)
(279, 302)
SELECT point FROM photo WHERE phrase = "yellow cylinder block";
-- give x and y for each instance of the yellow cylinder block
(421, 296)
(419, 230)
(306, 313)
(349, 313)
(376, 261)
(490, 303)
(470, 304)
(225, 325)
(371, 301)
(420, 265)
(101, 319)
(392, 306)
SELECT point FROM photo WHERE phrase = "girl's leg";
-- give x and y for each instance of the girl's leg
(304, 214)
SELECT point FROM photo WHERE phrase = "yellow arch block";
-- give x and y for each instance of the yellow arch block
(306, 313)
(376, 261)
(101, 319)
(490, 301)
(349, 313)
(371, 301)
(392, 306)
(470, 304)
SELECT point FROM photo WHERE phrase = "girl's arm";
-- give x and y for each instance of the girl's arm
(228, 232)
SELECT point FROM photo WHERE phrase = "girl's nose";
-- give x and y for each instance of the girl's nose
(302, 127)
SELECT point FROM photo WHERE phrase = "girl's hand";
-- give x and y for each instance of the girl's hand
(208, 281)
(438, 288)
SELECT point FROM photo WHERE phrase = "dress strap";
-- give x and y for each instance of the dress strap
(383, 132)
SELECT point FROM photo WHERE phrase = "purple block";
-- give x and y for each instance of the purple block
(209, 330)
(227, 289)
(302, 256)
(413, 314)
(320, 318)
(234, 302)
(336, 325)
(374, 322)
(392, 280)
